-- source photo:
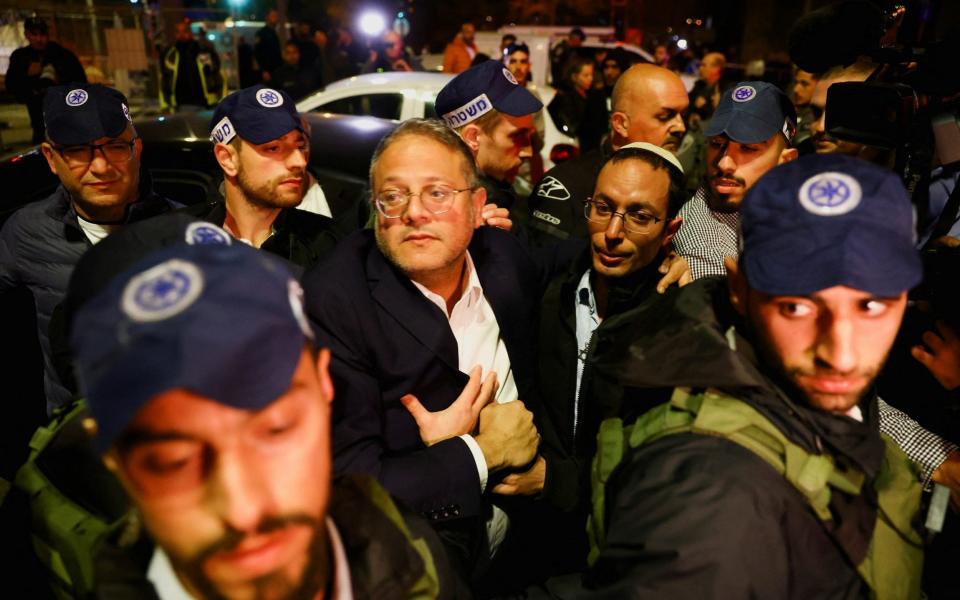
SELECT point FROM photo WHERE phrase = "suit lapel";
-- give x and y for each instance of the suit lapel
(399, 298)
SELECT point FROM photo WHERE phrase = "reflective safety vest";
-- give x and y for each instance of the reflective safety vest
(212, 81)
(894, 560)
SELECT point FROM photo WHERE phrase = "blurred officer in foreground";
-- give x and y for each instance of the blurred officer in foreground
(93, 148)
(263, 148)
(764, 475)
(36, 67)
(213, 410)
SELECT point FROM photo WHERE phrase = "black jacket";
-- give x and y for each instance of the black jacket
(301, 237)
(27, 88)
(556, 203)
(693, 516)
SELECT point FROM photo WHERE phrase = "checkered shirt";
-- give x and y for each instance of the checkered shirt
(706, 237)
(925, 448)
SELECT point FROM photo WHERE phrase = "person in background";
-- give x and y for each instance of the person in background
(293, 76)
(191, 77)
(459, 53)
(391, 55)
(569, 105)
(266, 48)
(36, 67)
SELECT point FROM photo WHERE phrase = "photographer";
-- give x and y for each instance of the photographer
(390, 55)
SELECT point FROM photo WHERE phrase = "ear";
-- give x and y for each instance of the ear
(137, 148)
(736, 285)
(620, 123)
(673, 225)
(48, 153)
(323, 372)
(478, 198)
(471, 135)
(228, 159)
(788, 154)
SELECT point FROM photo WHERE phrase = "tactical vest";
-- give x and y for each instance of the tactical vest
(894, 561)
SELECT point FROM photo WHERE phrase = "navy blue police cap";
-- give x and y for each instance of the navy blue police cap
(224, 321)
(752, 112)
(480, 89)
(80, 113)
(825, 220)
(257, 114)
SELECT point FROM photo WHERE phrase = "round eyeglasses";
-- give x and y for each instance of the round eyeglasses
(634, 221)
(435, 198)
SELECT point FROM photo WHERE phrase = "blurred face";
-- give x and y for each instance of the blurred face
(583, 79)
(272, 175)
(653, 113)
(829, 345)
(427, 247)
(468, 32)
(502, 150)
(37, 39)
(236, 498)
(711, 69)
(733, 168)
(611, 72)
(320, 38)
(803, 88)
(394, 45)
(273, 17)
(291, 54)
(100, 189)
(183, 33)
(518, 63)
(641, 193)
(574, 40)
(661, 56)
(824, 142)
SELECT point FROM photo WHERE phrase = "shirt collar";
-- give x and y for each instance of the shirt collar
(472, 291)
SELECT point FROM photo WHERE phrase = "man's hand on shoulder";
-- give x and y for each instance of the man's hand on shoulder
(508, 438)
(675, 270)
(940, 354)
(460, 418)
(494, 216)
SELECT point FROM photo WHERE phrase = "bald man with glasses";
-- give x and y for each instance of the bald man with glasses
(92, 147)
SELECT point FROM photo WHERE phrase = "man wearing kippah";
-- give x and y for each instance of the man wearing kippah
(761, 471)
(750, 133)
(93, 148)
(263, 149)
(212, 407)
(493, 114)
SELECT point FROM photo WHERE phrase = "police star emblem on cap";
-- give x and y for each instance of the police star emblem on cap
(162, 291)
(510, 77)
(76, 97)
(269, 98)
(830, 194)
(202, 232)
(744, 93)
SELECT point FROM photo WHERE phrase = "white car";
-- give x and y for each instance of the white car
(404, 95)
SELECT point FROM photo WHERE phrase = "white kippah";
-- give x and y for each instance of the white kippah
(664, 154)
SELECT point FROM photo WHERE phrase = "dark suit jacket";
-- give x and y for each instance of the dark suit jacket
(388, 340)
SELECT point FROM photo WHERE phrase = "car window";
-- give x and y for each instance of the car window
(385, 106)
(430, 110)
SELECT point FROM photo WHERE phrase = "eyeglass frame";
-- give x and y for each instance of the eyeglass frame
(378, 203)
(92, 148)
(592, 202)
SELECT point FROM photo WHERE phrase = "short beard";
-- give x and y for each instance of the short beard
(265, 195)
(716, 202)
(315, 575)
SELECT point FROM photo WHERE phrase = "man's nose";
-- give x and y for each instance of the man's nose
(240, 495)
(835, 344)
(726, 163)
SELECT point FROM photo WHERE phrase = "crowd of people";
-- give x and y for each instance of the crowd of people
(620, 387)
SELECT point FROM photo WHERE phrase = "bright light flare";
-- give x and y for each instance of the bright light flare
(372, 23)
(682, 44)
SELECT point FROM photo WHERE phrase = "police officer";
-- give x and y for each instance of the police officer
(493, 114)
(263, 148)
(765, 475)
(93, 148)
(212, 408)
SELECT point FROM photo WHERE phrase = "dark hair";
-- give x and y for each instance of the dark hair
(35, 25)
(676, 195)
(578, 32)
(508, 36)
(436, 130)
(573, 66)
